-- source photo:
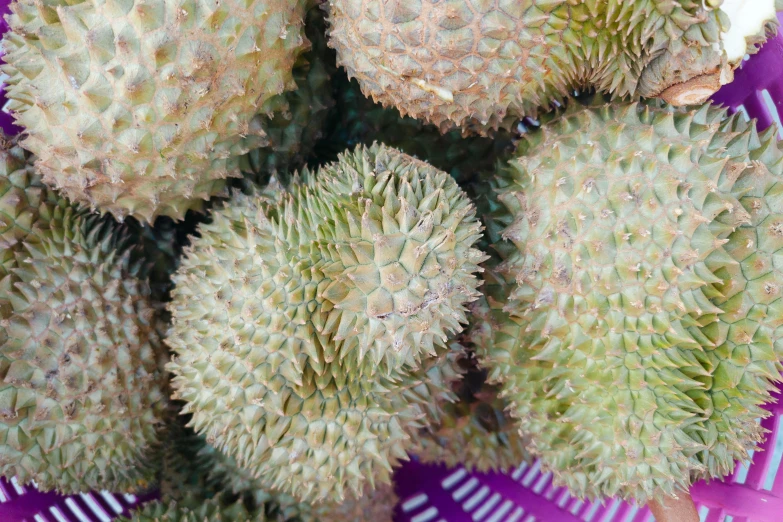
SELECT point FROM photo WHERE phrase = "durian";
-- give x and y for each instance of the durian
(157, 248)
(191, 470)
(81, 377)
(295, 436)
(195, 510)
(483, 64)
(310, 331)
(143, 107)
(629, 359)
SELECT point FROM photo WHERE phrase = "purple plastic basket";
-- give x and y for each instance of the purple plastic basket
(437, 494)
(26, 504)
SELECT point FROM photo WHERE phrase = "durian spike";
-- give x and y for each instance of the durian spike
(678, 508)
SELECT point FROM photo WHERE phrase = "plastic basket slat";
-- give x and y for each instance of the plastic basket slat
(548, 488)
(715, 515)
(103, 503)
(777, 483)
(608, 511)
(582, 512)
(623, 512)
(443, 489)
(739, 500)
(23, 507)
(562, 496)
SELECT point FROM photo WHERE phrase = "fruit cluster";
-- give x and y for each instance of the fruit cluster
(228, 274)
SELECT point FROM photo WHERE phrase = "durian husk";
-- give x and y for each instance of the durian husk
(376, 505)
(182, 470)
(81, 360)
(145, 109)
(225, 474)
(279, 309)
(483, 66)
(579, 376)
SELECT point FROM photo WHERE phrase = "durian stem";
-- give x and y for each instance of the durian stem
(671, 509)
(693, 92)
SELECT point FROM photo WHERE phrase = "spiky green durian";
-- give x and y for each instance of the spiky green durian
(357, 119)
(294, 121)
(194, 509)
(144, 108)
(483, 64)
(157, 248)
(309, 332)
(475, 431)
(80, 372)
(609, 345)
(189, 469)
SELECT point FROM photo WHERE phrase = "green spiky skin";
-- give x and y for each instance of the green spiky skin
(24, 193)
(333, 306)
(748, 334)
(189, 468)
(138, 108)
(225, 474)
(357, 119)
(483, 64)
(316, 433)
(369, 262)
(294, 121)
(81, 374)
(157, 249)
(475, 432)
(620, 220)
(195, 510)
(397, 252)
(491, 212)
